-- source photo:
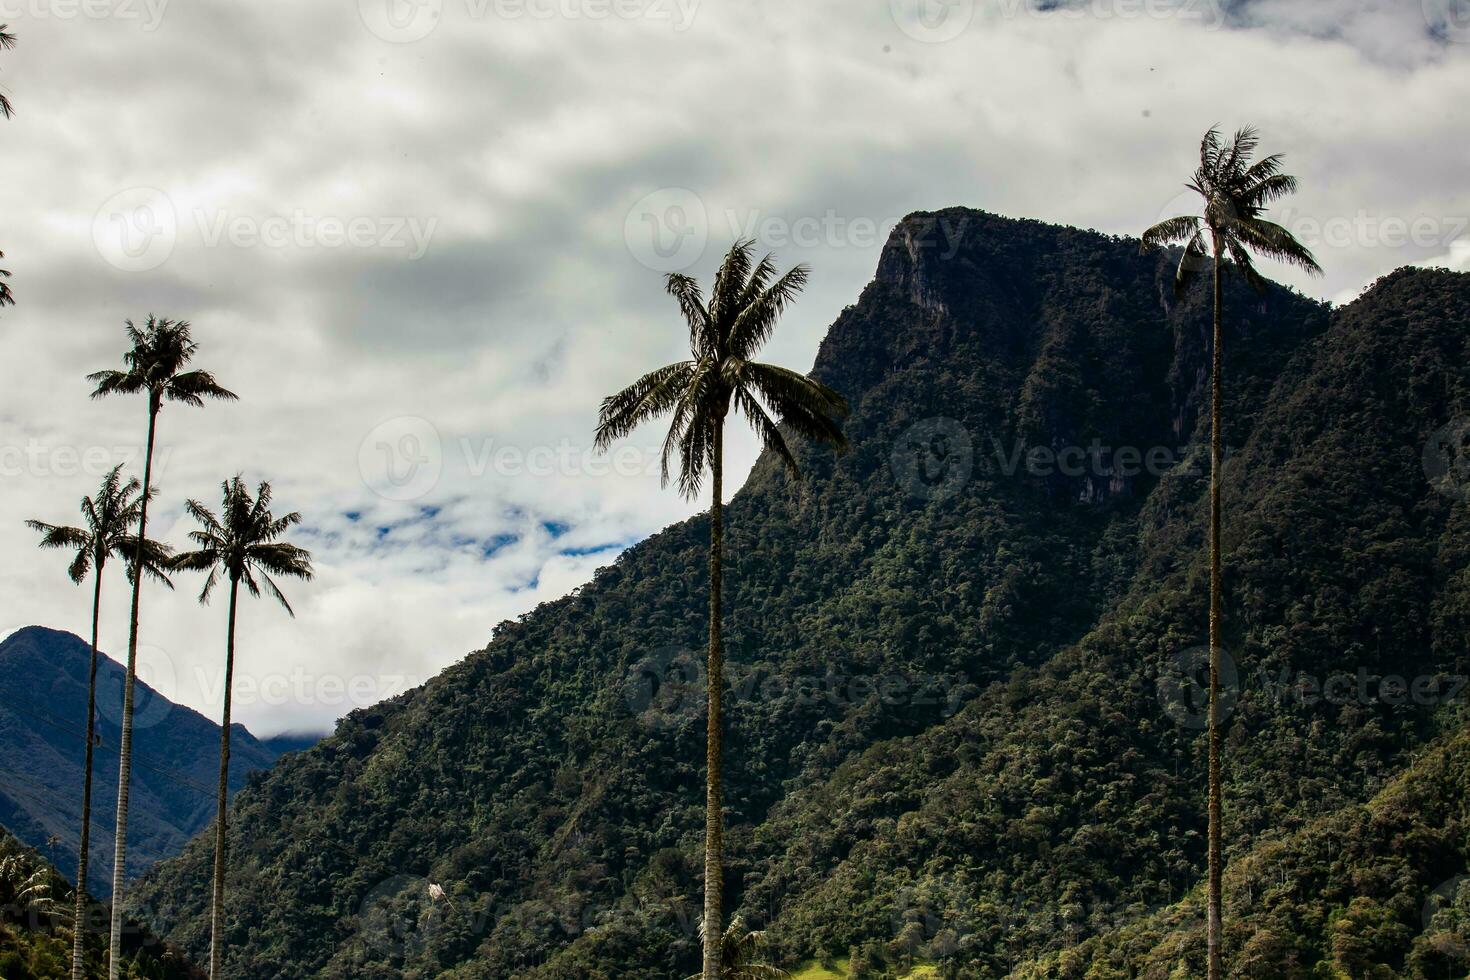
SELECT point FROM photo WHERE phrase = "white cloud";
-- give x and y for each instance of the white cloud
(306, 149)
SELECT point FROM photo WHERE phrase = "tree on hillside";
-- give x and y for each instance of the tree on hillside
(155, 364)
(1236, 193)
(724, 334)
(243, 547)
(110, 518)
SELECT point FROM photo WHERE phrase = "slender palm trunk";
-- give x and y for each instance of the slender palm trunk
(714, 818)
(217, 906)
(79, 923)
(1213, 926)
(125, 743)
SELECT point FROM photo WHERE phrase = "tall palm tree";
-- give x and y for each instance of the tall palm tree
(1236, 193)
(7, 41)
(110, 518)
(724, 334)
(154, 366)
(243, 547)
(740, 948)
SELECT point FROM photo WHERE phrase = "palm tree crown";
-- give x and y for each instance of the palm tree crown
(110, 519)
(1236, 193)
(724, 334)
(160, 351)
(7, 41)
(244, 545)
(739, 952)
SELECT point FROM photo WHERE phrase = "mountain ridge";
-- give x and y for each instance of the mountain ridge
(43, 692)
(557, 801)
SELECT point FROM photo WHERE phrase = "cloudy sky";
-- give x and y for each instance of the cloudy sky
(421, 238)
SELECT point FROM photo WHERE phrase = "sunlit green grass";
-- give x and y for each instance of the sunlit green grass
(814, 971)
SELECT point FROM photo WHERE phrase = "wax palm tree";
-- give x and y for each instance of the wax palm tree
(1236, 193)
(740, 947)
(7, 41)
(724, 334)
(110, 518)
(244, 547)
(155, 367)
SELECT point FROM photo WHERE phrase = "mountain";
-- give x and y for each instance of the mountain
(963, 723)
(35, 927)
(43, 711)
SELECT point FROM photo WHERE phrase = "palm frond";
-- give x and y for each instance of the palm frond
(757, 318)
(1171, 231)
(650, 396)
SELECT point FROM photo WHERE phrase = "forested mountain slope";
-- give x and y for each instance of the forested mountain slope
(43, 712)
(947, 737)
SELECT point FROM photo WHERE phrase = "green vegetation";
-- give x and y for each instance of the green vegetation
(244, 547)
(110, 520)
(1022, 784)
(724, 335)
(155, 366)
(1236, 193)
(36, 928)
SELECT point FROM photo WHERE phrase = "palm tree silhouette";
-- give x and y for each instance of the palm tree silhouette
(7, 41)
(243, 547)
(109, 518)
(740, 947)
(160, 351)
(1236, 193)
(724, 334)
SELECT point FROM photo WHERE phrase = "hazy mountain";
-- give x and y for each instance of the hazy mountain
(960, 724)
(43, 711)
